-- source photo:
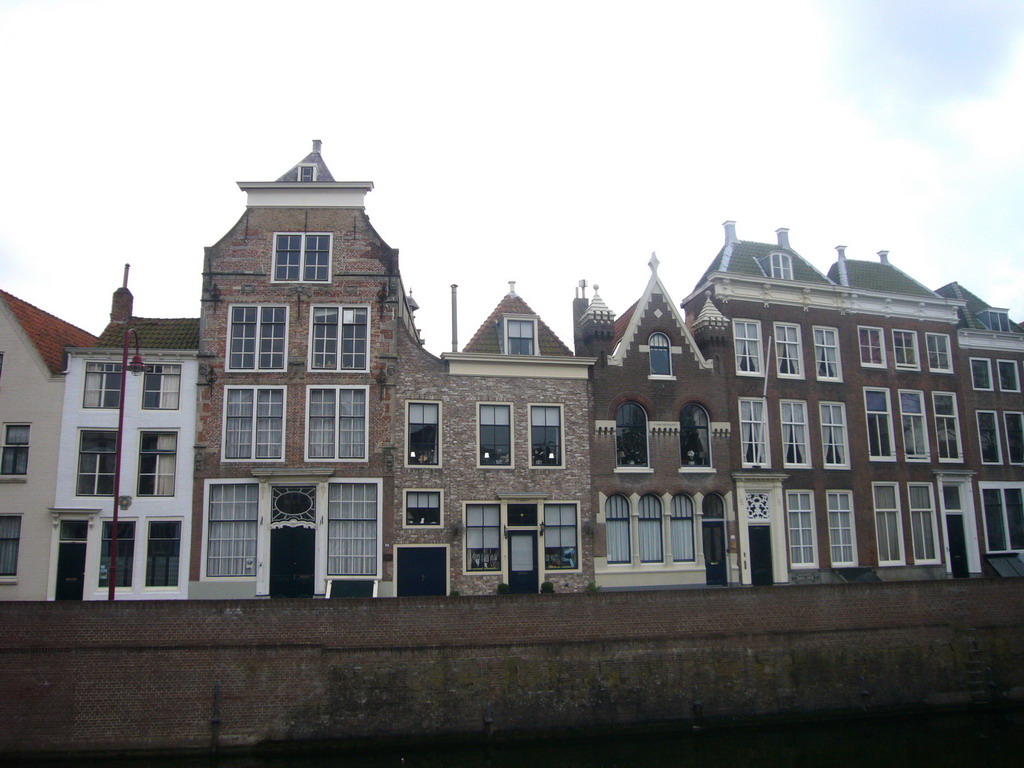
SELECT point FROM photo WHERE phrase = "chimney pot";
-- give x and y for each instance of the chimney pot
(730, 232)
(883, 256)
(841, 250)
(783, 234)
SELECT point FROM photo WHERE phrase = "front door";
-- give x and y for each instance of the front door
(714, 554)
(421, 571)
(292, 552)
(522, 562)
(760, 555)
(957, 546)
(71, 560)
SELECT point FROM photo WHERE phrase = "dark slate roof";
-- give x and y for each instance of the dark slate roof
(486, 338)
(154, 333)
(48, 334)
(969, 313)
(323, 174)
(879, 276)
(746, 259)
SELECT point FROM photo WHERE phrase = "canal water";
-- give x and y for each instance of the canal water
(985, 740)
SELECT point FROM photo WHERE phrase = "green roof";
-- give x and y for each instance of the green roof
(751, 259)
(878, 276)
(154, 333)
(975, 305)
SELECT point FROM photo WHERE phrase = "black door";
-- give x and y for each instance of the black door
(715, 572)
(292, 552)
(421, 571)
(760, 555)
(70, 570)
(522, 562)
(957, 546)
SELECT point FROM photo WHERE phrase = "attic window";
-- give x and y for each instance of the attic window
(519, 336)
(995, 320)
(307, 173)
(781, 266)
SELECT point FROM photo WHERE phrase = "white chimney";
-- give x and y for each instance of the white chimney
(883, 256)
(730, 232)
(316, 145)
(783, 234)
(844, 278)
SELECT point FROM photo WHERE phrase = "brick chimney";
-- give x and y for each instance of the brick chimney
(121, 305)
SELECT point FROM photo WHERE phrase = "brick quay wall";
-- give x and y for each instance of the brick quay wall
(139, 676)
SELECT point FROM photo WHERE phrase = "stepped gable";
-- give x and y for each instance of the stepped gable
(48, 334)
(154, 333)
(485, 340)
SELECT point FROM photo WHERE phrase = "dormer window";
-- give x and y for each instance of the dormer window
(307, 173)
(518, 336)
(781, 266)
(995, 320)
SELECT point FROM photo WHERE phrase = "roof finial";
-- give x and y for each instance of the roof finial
(653, 263)
(511, 287)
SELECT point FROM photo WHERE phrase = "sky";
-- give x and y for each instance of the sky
(538, 142)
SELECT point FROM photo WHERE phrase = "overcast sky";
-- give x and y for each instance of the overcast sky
(541, 142)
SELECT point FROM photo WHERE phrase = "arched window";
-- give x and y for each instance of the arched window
(616, 515)
(681, 529)
(649, 529)
(694, 442)
(630, 436)
(660, 354)
(714, 506)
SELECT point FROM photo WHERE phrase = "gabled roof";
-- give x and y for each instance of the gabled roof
(969, 313)
(748, 258)
(323, 174)
(878, 276)
(485, 340)
(622, 323)
(48, 334)
(154, 333)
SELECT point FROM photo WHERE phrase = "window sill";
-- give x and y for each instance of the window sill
(547, 466)
(688, 470)
(423, 466)
(661, 377)
(634, 470)
(8, 581)
(889, 459)
(14, 479)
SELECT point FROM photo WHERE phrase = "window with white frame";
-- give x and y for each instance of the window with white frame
(826, 354)
(834, 448)
(561, 547)
(922, 523)
(15, 449)
(339, 338)
(915, 433)
(800, 518)
(995, 320)
(939, 358)
(102, 385)
(163, 553)
(96, 457)
(794, 433)
(616, 516)
(256, 338)
(306, 173)
(1008, 378)
(546, 435)
(872, 347)
(157, 459)
(753, 433)
(660, 353)
(1004, 517)
(630, 436)
(788, 355)
(161, 386)
(981, 373)
(879, 422)
(1014, 428)
(782, 266)
(10, 540)
(694, 437)
(483, 537)
(747, 341)
(495, 422)
(352, 529)
(336, 423)
(125, 553)
(681, 528)
(649, 529)
(423, 508)
(253, 423)
(888, 527)
(424, 434)
(904, 350)
(520, 336)
(988, 438)
(947, 426)
(231, 537)
(840, 528)
(300, 257)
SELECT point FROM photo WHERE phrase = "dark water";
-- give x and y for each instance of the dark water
(989, 740)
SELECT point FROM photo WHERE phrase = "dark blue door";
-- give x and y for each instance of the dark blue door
(522, 562)
(422, 571)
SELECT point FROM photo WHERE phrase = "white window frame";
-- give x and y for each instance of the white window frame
(339, 338)
(877, 334)
(620, 464)
(1000, 318)
(1016, 375)
(334, 523)
(246, 546)
(905, 357)
(988, 374)
(997, 441)
(149, 555)
(915, 421)
(831, 426)
(254, 419)
(440, 508)
(102, 379)
(941, 427)
(747, 347)
(10, 546)
(416, 461)
(299, 169)
(918, 535)
(620, 525)
(758, 432)
(260, 324)
(800, 525)
(946, 350)
(682, 528)
(788, 345)
(165, 468)
(664, 346)
(824, 347)
(650, 528)
(869, 415)
(888, 526)
(95, 473)
(795, 433)
(506, 336)
(1019, 418)
(984, 489)
(556, 535)
(302, 265)
(168, 398)
(834, 512)
(511, 436)
(337, 417)
(559, 462)
(491, 526)
(780, 266)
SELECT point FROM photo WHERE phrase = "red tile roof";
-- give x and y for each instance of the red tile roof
(49, 334)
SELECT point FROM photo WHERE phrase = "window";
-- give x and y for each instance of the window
(782, 266)
(102, 385)
(789, 360)
(1007, 371)
(424, 419)
(125, 554)
(649, 529)
(694, 440)
(915, 433)
(995, 320)
(352, 537)
(753, 437)
(161, 386)
(162, 553)
(10, 537)
(546, 435)
(939, 358)
(826, 353)
(660, 353)
(988, 438)
(833, 435)
(560, 547)
(800, 516)
(157, 454)
(336, 424)
(794, 433)
(519, 336)
(879, 418)
(922, 523)
(947, 426)
(331, 324)
(231, 542)
(1014, 425)
(15, 450)
(495, 435)
(302, 257)
(872, 350)
(253, 423)
(422, 508)
(1004, 518)
(96, 463)
(483, 537)
(904, 350)
(681, 528)
(256, 339)
(840, 528)
(616, 515)
(981, 373)
(630, 436)
(887, 523)
(747, 338)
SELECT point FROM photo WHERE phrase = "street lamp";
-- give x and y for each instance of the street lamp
(136, 366)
